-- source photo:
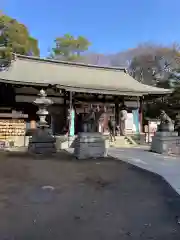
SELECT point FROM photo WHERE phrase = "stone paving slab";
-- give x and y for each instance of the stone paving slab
(166, 166)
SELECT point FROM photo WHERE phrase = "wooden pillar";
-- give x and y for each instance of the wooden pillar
(141, 113)
(65, 108)
(117, 111)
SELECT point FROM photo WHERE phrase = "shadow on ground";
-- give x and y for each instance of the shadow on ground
(64, 198)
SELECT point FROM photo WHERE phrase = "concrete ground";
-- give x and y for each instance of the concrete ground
(63, 198)
(166, 166)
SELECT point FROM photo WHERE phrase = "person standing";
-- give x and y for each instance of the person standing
(111, 127)
(123, 118)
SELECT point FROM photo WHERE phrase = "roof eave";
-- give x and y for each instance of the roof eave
(87, 90)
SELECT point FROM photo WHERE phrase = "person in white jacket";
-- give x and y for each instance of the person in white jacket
(123, 117)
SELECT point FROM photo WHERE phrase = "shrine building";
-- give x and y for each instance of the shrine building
(66, 83)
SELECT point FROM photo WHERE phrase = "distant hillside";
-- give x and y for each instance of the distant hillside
(105, 60)
(121, 59)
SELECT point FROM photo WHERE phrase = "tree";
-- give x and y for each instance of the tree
(15, 38)
(69, 48)
(155, 64)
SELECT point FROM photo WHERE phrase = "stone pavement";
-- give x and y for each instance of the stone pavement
(166, 166)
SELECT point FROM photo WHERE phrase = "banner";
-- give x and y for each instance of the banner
(71, 124)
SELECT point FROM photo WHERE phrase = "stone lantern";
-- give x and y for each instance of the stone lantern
(43, 103)
(42, 142)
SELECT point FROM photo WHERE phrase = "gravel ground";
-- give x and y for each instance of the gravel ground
(63, 198)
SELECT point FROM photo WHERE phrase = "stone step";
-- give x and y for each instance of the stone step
(123, 141)
(64, 143)
(130, 140)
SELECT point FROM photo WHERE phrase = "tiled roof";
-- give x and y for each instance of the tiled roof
(75, 77)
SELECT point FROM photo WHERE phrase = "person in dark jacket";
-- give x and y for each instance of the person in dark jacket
(111, 127)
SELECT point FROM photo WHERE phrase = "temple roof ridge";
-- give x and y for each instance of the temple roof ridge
(47, 60)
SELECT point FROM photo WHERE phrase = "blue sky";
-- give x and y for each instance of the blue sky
(110, 25)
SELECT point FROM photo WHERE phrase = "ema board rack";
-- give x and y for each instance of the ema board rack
(12, 127)
(12, 124)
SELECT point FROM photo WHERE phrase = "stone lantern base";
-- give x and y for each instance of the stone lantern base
(42, 142)
(166, 143)
(90, 145)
